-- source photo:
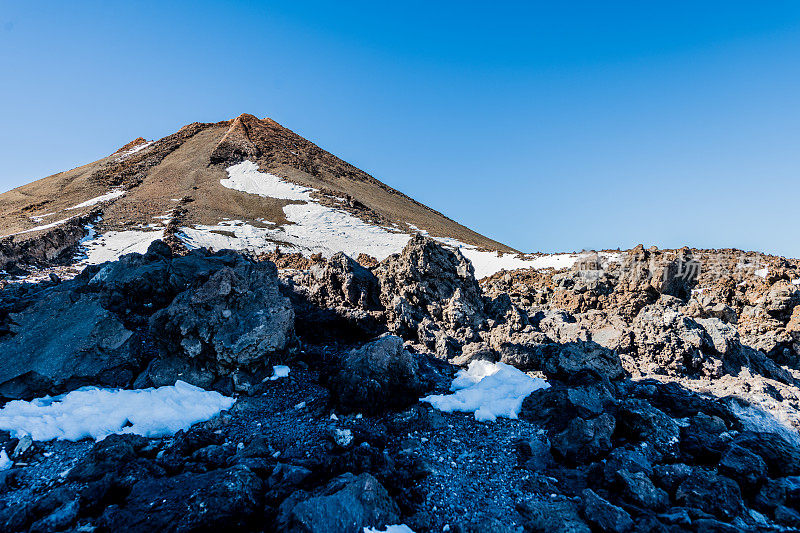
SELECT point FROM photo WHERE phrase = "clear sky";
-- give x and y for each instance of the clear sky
(550, 126)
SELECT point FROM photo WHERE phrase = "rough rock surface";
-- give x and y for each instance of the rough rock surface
(379, 375)
(431, 296)
(238, 319)
(672, 403)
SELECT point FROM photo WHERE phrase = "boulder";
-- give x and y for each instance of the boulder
(584, 439)
(431, 296)
(638, 421)
(747, 468)
(637, 488)
(561, 361)
(220, 500)
(62, 342)
(604, 515)
(781, 456)
(237, 319)
(336, 300)
(552, 516)
(376, 376)
(347, 504)
(717, 495)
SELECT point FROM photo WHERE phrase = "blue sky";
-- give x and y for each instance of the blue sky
(548, 127)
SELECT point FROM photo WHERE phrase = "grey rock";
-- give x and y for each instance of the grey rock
(431, 295)
(584, 439)
(604, 515)
(638, 489)
(378, 375)
(552, 516)
(711, 493)
(747, 468)
(236, 319)
(347, 505)
(62, 342)
(229, 499)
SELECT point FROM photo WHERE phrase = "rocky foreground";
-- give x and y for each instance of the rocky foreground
(673, 401)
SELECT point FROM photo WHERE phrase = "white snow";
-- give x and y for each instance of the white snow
(5, 462)
(38, 228)
(111, 245)
(279, 371)
(489, 390)
(39, 218)
(244, 237)
(246, 177)
(326, 230)
(762, 272)
(97, 413)
(137, 148)
(396, 528)
(796, 281)
(113, 195)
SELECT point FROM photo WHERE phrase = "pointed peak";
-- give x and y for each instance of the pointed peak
(236, 144)
(133, 144)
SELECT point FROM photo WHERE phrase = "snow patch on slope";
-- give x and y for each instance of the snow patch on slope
(489, 390)
(113, 195)
(96, 413)
(245, 177)
(110, 246)
(39, 228)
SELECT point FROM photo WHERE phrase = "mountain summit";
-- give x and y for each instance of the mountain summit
(245, 184)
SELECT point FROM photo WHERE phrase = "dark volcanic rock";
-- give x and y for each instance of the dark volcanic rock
(229, 500)
(561, 361)
(747, 468)
(712, 494)
(604, 515)
(639, 490)
(431, 296)
(584, 439)
(552, 516)
(781, 456)
(347, 504)
(337, 300)
(236, 319)
(62, 342)
(378, 375)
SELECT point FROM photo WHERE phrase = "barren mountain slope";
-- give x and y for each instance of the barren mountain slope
(175, 183)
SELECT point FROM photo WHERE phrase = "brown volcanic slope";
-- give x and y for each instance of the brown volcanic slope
(188, 165)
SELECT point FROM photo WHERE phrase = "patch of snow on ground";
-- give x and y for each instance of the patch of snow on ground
(5, 462)
(489, 390)
(489, 263)
(109, 246)
(761, 272)
(315, 228)
(230, 235)
(397, 528)
(113, 195)
(796, 281)
(326, 230)
(246, 177)
(279, 371)
(97, 413)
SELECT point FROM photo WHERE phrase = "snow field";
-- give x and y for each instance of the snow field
(92, 412)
